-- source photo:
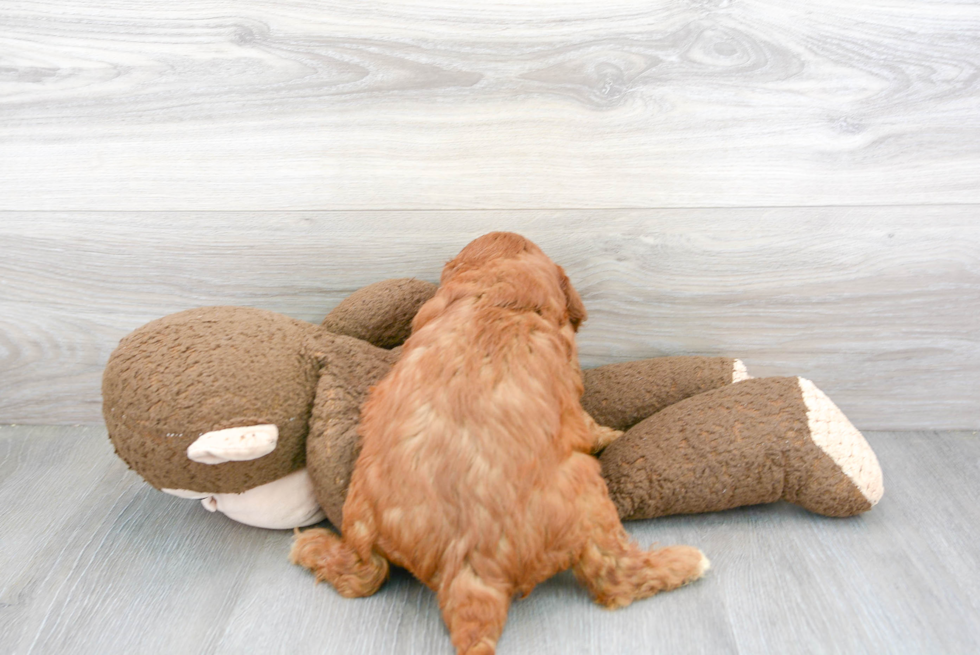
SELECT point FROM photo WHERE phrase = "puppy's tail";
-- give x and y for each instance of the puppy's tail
(332, 559)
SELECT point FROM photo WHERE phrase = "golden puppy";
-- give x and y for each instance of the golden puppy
(474, 472)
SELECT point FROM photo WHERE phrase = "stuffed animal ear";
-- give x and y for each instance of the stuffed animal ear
(234, 444)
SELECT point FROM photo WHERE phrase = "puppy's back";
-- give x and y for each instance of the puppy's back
(463, 439)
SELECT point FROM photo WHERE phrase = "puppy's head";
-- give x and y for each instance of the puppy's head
(479, 252)
(573, 302)
(507, 270)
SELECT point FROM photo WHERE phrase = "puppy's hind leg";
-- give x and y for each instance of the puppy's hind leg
(474, 611)
(350, 564)
(616, 571)
(332, 559)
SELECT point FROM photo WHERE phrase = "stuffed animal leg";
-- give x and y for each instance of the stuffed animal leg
(757, 441)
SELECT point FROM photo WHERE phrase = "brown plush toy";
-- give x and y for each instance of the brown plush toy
(218, 403)
(256, 414)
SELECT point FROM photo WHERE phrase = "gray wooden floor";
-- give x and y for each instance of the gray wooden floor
(92, 560)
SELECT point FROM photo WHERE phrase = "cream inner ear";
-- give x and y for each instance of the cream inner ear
(234, 444)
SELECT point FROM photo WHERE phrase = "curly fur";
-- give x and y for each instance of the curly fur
(475, 472)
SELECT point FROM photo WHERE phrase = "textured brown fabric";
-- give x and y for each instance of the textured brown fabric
(380, 313)
(709, 445)
(208, 369)
(349, 368)
(621, 395)
(741, 444)
(218, 367)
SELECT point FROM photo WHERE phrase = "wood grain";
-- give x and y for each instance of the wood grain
(876, 305)
(93, 561)
(431, 104)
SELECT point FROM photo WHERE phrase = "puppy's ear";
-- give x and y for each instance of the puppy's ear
(437, 304)
(450, 269)
(573, 302)
(432, 308)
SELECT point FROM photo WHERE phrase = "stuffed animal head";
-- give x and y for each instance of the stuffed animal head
(216, 403)
(211, 400)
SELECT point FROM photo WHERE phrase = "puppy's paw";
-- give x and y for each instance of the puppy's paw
(333, 560)
(310, 547)
(679, 565)
(703, 566)
(603, 436)
(481, 648)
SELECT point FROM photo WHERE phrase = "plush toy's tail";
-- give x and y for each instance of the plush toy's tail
(330, 558)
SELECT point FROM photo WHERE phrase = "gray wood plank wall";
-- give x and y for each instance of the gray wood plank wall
(293, 104)
(795, 186)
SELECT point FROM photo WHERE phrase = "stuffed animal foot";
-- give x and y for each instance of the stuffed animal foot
(601, 435)
(754, 442)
